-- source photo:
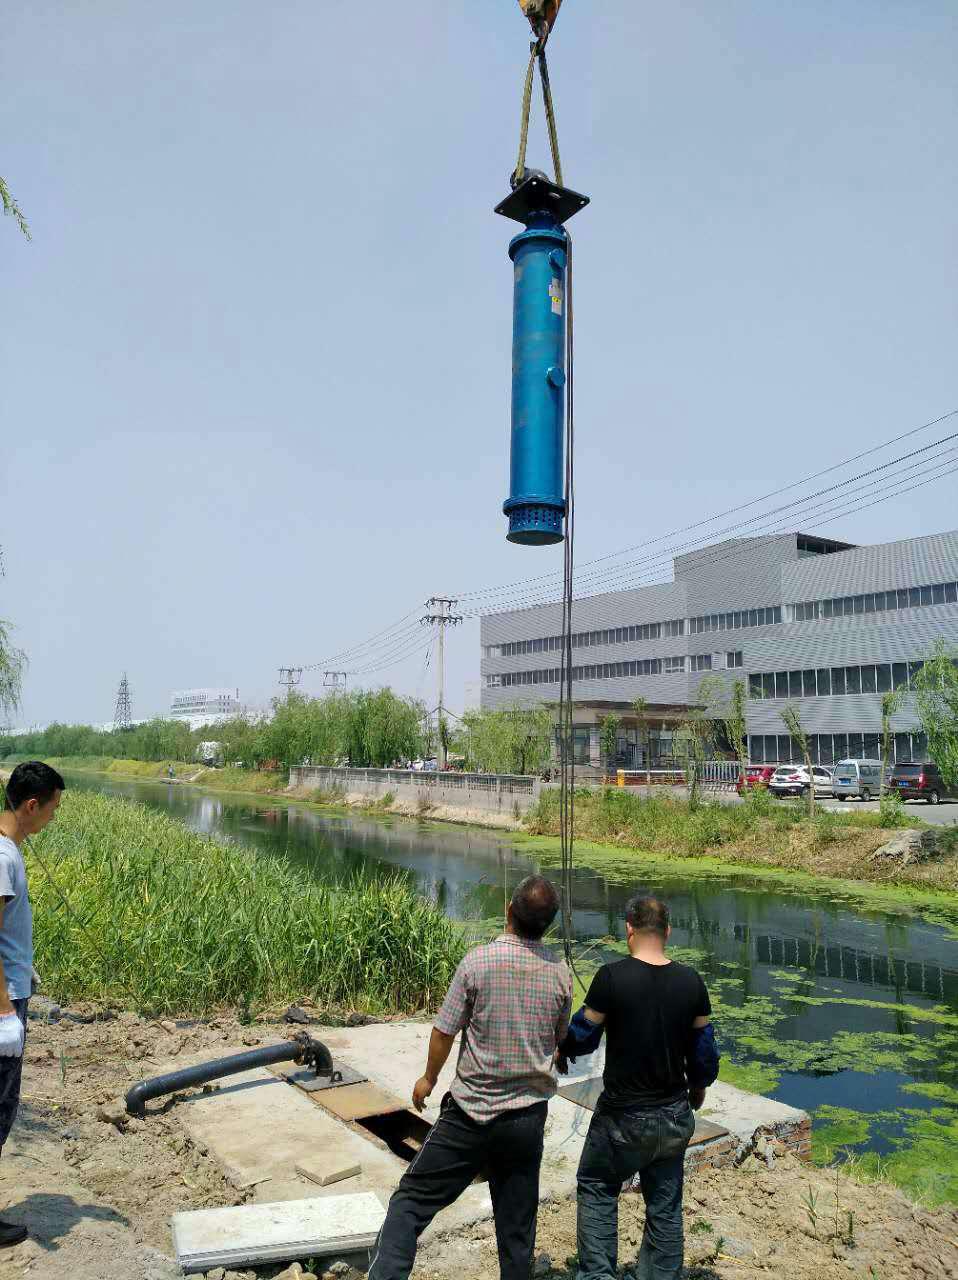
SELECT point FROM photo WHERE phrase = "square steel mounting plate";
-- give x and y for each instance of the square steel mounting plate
(305, 1079)
(537, 194)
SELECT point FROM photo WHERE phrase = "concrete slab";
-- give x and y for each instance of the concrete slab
(324, 1175)
(259, 1126)
(261, 1233)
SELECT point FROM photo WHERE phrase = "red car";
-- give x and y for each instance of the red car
(756, 775)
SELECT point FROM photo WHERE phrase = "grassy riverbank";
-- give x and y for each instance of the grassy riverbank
(251, 781)
(761, 833)
(180, 923)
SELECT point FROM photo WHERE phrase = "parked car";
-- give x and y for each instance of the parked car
(861, 778)
(920, 782)
(756, 775)
(792, 780)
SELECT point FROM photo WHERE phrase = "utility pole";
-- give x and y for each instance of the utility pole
(290, 677)
(334, 679)
(441, 616)
(123, 715)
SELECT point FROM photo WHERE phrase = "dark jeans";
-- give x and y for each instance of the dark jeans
(652, 1144)
(508, 1149)
(11, 1070)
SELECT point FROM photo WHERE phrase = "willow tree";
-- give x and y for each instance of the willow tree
(609, 735)
(891, 701)
(793, 724)
(12, 209)
(936, 697)
(13, 663)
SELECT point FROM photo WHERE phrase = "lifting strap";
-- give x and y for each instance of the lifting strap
(538, 12)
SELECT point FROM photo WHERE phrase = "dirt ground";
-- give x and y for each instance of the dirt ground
(97, 1189)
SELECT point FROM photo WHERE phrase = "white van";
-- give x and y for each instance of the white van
(860, 778)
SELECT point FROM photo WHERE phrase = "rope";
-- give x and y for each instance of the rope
(566, 754)
(537, 53)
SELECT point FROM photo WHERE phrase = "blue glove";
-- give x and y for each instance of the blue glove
(702, 1058)
(583, 1037)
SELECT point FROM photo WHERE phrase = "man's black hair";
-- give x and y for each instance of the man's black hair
(32, 780)
(648, 915)
(534, 906)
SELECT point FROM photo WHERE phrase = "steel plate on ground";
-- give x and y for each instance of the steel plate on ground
(585, 1093)
(356, 1101)
(307, 1080)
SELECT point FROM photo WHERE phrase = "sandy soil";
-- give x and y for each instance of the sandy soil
(98, 1192)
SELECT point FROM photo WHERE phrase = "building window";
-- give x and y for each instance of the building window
(827, 682)
(700, 662)
(733, 659)
(673, 665)
(877, 602)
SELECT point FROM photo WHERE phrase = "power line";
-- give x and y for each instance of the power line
(723, 554)
(926, 426)
(389, 645)
(796, 505)
(615, 580)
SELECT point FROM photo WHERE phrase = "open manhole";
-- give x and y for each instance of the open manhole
(403, 1132)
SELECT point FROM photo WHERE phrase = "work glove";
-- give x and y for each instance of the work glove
(11, 1036)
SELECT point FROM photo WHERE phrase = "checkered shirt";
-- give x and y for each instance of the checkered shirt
(511, 999)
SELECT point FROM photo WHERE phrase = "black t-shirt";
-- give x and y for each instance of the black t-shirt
(649, 1010)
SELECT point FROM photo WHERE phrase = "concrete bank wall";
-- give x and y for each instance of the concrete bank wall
(497, 793)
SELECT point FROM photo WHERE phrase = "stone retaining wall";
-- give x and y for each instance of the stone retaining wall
(496, 793)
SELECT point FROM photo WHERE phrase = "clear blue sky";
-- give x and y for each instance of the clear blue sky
(254, 371)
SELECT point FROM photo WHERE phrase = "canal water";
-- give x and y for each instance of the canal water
(842, 1002)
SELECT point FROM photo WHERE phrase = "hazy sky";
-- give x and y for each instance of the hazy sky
(254, 368)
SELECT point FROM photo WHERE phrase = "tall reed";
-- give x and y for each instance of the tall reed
(176, 922)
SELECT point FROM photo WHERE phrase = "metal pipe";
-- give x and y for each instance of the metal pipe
(304, 1049)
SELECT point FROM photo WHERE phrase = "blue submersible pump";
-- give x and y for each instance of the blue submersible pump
(540, 254)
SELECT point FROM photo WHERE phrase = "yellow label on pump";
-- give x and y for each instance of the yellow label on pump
(555, 293)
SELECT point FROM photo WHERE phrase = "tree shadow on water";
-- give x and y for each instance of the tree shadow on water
(50, 1217)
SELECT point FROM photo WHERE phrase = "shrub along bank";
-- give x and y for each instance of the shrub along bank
(760, 832)
(179, 923)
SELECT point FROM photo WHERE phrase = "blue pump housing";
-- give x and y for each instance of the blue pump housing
(540, 254)
(536, 505)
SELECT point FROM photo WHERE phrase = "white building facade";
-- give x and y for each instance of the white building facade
(201, 707)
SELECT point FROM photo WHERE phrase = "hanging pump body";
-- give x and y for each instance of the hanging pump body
(540, 255)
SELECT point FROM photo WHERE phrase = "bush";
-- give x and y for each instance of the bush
(175, 922)
(891, 810)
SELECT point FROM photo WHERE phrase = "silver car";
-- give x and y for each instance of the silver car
(859, 778)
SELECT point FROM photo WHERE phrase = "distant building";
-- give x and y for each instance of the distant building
(800, 619)
(201, 707)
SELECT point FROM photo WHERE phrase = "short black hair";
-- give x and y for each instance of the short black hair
(534, 906)
(648, 915)
(32, 780)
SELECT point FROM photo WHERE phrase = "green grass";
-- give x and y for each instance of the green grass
(168, 921)
(670, 824)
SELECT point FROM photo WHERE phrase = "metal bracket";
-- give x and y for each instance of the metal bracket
(537, 194)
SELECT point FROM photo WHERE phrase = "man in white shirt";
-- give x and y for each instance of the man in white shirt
(32, 796)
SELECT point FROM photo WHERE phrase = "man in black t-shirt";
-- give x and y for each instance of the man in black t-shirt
(660, 1055)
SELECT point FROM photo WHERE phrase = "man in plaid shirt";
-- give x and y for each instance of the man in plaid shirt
(511, 999)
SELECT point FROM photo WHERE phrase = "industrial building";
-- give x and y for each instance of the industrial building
(201, 707)
(824, 625)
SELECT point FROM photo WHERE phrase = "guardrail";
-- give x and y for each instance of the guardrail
(476, 790)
